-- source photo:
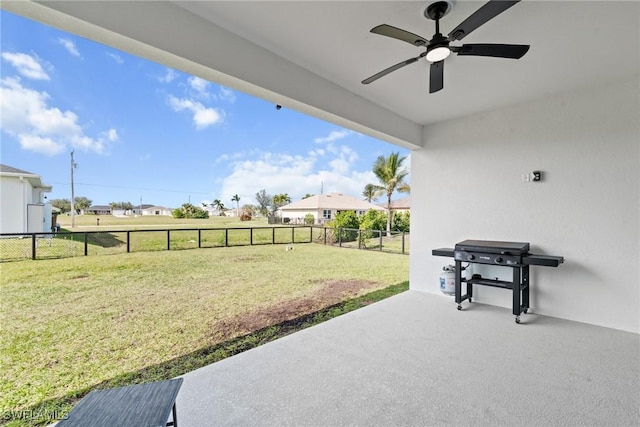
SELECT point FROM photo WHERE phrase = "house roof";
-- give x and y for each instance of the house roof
(99, 208)
(10, 170)
(34, 179)
(335, 201)
(404, 203)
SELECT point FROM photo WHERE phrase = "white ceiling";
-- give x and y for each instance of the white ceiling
(573, 44)
(312, 55)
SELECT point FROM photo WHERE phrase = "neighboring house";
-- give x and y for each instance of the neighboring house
(22, 202)
(399, 206)
(156, 210)
(325, 207)
(98, 210)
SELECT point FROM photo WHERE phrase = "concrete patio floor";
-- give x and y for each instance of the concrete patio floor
(413, 359)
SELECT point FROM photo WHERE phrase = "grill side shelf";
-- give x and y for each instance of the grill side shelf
(443, 252)
(544, 260)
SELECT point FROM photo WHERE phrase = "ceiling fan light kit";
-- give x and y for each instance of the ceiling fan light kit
(438, 48)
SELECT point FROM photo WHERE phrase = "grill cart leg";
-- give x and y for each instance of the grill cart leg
(517, 308)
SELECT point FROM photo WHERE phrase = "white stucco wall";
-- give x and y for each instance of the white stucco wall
(15, 194)
(467, 185)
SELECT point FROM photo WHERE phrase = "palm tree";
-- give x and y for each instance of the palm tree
(370, 193)
(217, 205)
(236, 199)
(391, 175)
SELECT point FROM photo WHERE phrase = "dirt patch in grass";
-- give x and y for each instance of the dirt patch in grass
(329, 293)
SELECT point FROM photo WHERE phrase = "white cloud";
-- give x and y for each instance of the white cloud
(295, 175)
(41, 145)
(333, 136)
(202, 116)
(26, 65)
(168, 77)
(116, 58)
(227, 94)
(25, 114)
(201, 86)
(70, 46)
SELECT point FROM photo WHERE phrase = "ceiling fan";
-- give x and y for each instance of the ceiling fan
(438, 48)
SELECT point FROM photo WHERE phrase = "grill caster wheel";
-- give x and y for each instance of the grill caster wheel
(470, 300)
(525, 310)
(459, 307)
(517, 319)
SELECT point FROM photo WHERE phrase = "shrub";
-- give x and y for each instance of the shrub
(245, 216)
(401, 221)
(345, 220)
(309, 219)
(373, 220)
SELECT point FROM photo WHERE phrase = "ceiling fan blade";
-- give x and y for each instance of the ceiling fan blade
(391, 69)
(485, 13)
(514, 51)
(436, 76)
(400, 34)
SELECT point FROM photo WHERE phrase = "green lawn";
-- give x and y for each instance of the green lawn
(72, 324)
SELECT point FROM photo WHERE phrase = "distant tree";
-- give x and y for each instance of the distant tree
(371, 193)
(280, 200)
(187, 210)
(236, 199)
(63, 204)
(391, 175)
(264, 201)
(127, 206)
(82, 203)
(306, 196)
(217, 205)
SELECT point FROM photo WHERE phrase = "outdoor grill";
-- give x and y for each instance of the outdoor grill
(508, 254)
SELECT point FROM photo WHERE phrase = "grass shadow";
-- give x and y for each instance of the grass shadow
(41, 413)
(103, 239)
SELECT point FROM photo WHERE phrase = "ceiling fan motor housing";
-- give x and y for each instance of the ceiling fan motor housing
(437, 9)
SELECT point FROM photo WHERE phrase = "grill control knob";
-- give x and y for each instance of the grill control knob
(471, 257)
(498, 260)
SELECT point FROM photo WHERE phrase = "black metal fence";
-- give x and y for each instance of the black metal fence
(21, 246)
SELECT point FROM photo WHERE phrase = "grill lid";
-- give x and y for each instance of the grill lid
(493, 247)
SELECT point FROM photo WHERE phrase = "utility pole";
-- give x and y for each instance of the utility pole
(73, 197)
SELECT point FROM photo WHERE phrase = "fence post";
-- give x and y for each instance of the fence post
(380, 240)
(325, 236)
(403, 242)
(250, 236)
(226, 237)
(359, 239)
(273, 235)
(128, 241)
(86, 252)
(199, 238)
(168, 240)
(311, 234)
(340, 237)
(293, 235)
(33, 246)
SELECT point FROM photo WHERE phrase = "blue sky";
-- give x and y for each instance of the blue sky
(142, 130)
